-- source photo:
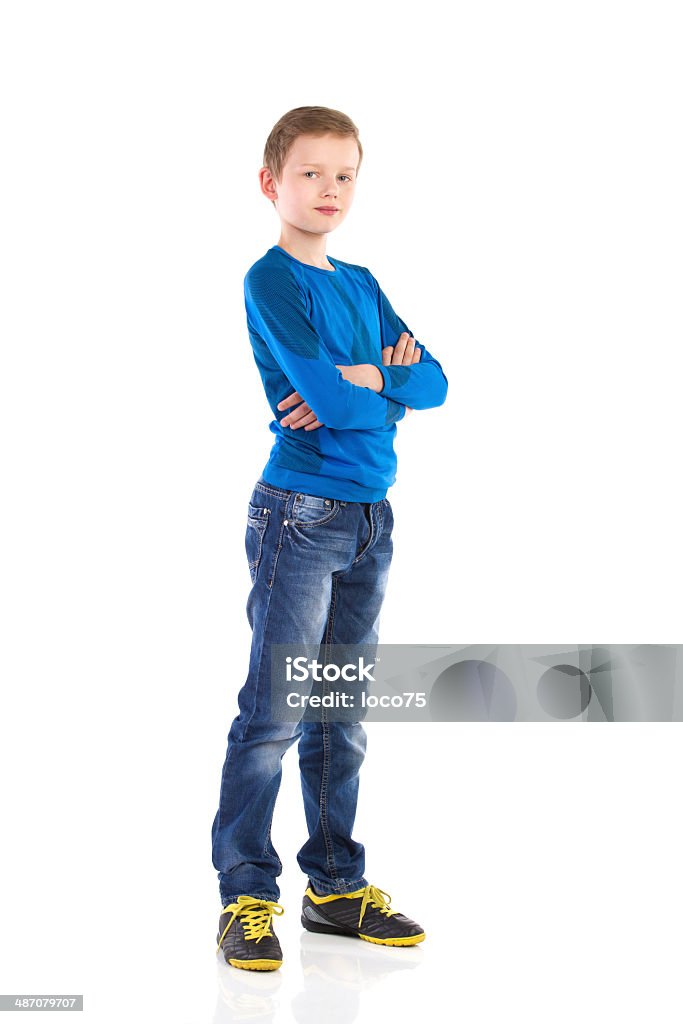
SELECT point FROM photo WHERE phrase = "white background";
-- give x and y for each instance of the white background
(520, 203)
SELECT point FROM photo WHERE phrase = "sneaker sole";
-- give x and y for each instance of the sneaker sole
(255, 965)
(403, 940)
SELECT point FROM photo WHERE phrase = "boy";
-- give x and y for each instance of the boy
(339, 370)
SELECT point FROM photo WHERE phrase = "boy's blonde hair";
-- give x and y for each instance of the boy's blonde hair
(305, 121)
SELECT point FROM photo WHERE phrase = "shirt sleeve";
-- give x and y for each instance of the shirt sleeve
(422, 385)
(276, 310)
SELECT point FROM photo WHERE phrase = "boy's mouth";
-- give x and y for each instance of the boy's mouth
(327, 209)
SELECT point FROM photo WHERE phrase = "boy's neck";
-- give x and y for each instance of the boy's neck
(307, 251)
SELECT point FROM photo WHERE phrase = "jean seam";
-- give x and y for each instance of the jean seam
(287, 514)
(263, 633)
(268, 845)
(325, 728)
(252, 711)
(374, 534)
(260, 526)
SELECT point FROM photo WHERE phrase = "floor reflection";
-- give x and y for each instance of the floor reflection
(332, 976)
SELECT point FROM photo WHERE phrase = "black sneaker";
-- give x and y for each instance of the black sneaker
(364, 913)
(246, 936)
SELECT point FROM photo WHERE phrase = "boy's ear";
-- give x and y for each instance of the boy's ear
(267, 183)
(264, 185)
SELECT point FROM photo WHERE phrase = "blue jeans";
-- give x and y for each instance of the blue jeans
(319, 569)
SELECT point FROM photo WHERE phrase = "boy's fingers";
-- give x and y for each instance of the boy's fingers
(410, 352)
(311, 421)
(291, 400)
(306, 415)
(403, 350)
(404, 353)
(399, 349)
(299, 417)
(294, 415)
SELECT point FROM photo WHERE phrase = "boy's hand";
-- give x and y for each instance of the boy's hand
(367, 375)
(364, 375)
(403, 353)
(302, 416)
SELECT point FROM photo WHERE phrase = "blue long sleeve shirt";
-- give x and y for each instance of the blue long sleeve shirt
(302, 321)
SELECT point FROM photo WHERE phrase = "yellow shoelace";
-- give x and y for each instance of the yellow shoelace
(257, 916)
(376, 898)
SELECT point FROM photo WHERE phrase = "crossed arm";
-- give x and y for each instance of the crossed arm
(367, 375)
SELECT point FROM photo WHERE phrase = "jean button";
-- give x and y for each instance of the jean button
(328, 502)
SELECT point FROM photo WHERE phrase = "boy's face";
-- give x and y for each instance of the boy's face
(319, 172)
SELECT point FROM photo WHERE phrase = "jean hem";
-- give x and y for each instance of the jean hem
(340, 889)
(257, 896)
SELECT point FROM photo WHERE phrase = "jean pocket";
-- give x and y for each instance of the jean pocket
(257, 522)
(309, 510)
